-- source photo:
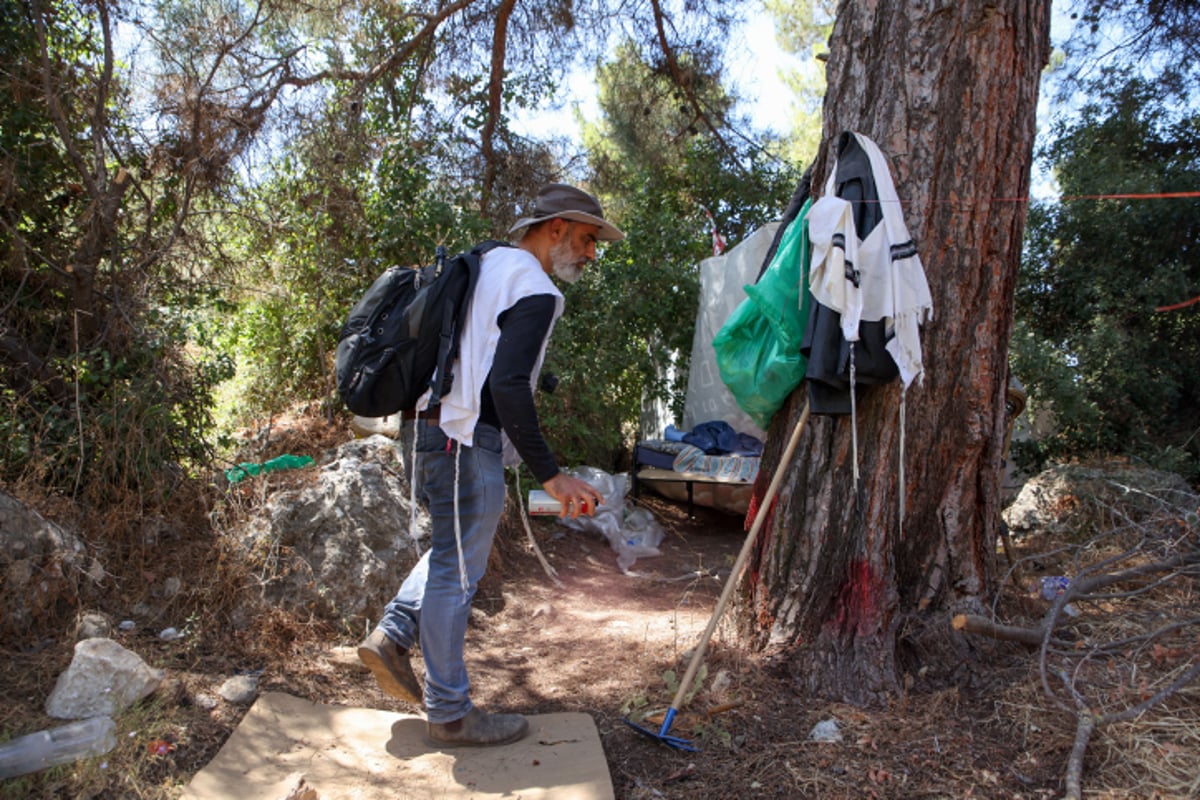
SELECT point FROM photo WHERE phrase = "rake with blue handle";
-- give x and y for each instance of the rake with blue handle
(663, 734)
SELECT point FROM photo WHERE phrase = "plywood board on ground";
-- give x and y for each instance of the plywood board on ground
(365, 754)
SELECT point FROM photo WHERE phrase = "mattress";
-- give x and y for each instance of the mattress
(658, 453)
(685, 458)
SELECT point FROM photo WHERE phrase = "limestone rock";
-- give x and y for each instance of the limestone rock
(103, 679)
(40, 565)
(344, 538)
(1070, 497)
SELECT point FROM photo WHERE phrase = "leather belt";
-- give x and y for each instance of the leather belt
(432, 416)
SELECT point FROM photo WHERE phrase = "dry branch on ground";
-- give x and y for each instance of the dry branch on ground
(1117, 640)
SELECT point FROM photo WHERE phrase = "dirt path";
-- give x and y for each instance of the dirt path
(603, 642)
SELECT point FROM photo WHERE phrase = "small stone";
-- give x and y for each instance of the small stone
(825, 731)
(102, 679)
(240, 689)
(92, 625)
(205, 701)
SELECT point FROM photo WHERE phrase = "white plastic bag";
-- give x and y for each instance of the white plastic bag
(632, 532)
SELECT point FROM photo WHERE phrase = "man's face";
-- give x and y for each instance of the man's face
(574, 249)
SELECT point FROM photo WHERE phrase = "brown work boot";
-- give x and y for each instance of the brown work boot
(391, 665)
(477, 729)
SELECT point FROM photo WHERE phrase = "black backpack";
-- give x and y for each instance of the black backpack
(402, 336)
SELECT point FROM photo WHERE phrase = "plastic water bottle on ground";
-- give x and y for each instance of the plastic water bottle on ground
(88, 737)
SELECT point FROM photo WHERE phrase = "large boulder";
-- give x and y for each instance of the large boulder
(339, 547)
(43, 567)
(1066, 498)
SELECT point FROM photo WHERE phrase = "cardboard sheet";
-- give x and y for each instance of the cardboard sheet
(366, 754)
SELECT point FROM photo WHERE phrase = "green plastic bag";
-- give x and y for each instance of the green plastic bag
(758, 347)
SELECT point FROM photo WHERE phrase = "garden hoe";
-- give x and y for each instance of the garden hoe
(664, 733)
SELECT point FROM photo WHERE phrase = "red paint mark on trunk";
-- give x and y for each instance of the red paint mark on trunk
(751, 511)
(859, 603)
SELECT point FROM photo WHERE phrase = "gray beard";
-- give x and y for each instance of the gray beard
(563, 263)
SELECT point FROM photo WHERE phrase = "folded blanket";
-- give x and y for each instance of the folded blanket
(738, 468)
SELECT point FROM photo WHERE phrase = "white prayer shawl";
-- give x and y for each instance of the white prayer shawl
(506, 275)
(892, 285)
(891, 282)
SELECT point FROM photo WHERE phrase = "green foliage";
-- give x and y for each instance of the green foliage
(627, 321)
(99, 397)
(136, 417)
(1159, 38)
(412, 212)
(1120, 376)
(277, 162)
(313, 238)
(803, 29)
(627, 332)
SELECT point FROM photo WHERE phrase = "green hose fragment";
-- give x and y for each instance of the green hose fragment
(247, 469)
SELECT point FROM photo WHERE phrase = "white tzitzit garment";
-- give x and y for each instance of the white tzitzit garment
(506, 275)
(891, 287)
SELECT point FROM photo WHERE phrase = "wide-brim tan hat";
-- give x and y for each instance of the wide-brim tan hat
(567, 202)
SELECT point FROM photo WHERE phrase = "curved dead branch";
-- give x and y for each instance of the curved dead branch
(1091, 676)
(982, 626)
(401, 54)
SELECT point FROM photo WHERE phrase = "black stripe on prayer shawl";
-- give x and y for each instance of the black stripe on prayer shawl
(903, 250)
(853, 275)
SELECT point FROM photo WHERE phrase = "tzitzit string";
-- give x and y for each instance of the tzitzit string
(462, 561)
(903, 392)
(413, 533)
(853, 417)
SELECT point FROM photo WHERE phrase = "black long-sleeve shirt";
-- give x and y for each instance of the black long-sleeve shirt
(507, 400)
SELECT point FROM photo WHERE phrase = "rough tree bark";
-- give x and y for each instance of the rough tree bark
(949, 92)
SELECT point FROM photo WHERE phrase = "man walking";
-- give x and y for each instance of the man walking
(461, 455)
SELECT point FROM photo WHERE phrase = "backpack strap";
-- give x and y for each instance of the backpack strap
(451, 324)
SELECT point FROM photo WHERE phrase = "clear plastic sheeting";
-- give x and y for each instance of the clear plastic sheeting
(632, 532)
(722, 282)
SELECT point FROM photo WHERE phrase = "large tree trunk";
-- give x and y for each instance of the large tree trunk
(949, 92)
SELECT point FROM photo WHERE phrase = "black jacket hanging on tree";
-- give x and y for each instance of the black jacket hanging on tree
(824, 346)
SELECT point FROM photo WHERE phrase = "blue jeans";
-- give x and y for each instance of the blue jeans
(432, 606)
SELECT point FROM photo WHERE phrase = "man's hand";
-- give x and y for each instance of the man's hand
(577, 497)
